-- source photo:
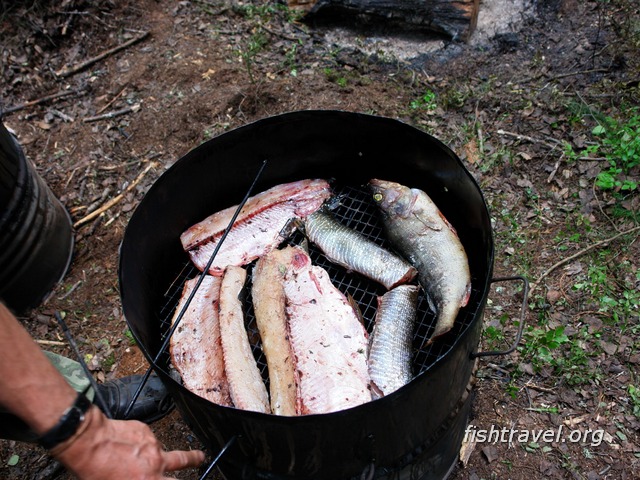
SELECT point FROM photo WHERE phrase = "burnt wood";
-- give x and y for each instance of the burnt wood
(454, 18)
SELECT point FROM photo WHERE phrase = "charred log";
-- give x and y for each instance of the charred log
(454, 18)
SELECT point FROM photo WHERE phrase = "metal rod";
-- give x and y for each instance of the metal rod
(176, 323)
(100, 399)
(369, 472)
(215, 460)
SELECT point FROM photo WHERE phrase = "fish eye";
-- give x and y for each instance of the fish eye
(377, 197)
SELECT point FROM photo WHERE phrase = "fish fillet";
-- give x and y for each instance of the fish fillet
(195, 346)
(246, 386)
(390, 353)
(257, 229)
(328, 341)
(269, 309)
(350, 249)
(418, 229)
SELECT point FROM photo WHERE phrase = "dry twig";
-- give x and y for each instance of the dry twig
(51, 342)
(115, 199)
(579, 254)
(65, 72)
(555, 143)
(116, 113)
(38, 101)
(539, 388)
(112, 100)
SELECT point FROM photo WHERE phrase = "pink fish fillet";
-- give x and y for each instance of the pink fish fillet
(247, 389)
(328, 341)
(257, 229)
(195, 346)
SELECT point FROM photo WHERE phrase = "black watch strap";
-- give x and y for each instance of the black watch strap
(68, 424)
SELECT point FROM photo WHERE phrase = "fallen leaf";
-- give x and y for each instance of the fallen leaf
(609, 348)
(573, 268)
(207, 75)
(491, 453)
(472, 152)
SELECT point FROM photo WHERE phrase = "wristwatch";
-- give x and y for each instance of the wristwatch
(68, 424)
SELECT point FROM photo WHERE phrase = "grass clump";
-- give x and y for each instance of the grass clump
(616, 141)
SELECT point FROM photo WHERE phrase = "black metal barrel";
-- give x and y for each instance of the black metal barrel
(411, 434)
(36, 235)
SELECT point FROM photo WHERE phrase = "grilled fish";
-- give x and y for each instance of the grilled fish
(350, 249)
(257, 228)
(268, 297)
(390, 352)
(328, 341)
(246, 386)
(195, 345)
(419, 231)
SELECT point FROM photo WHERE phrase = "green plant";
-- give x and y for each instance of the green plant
(493, 336)
(634, 396)
(621, 148)
(426, 102)
(290, 59)
(454, 98)
(130, 338)
(611, 290)
(108, 362)
(618, 142)
(335, 77)
(255, 44)
(539, 343)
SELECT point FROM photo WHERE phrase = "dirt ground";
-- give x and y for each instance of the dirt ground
(196, 69)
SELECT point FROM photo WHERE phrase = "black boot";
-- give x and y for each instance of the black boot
(152, 404)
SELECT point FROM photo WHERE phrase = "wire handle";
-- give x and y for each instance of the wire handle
(523, 312)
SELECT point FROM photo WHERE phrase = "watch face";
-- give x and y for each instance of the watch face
(68, 424)
(76, 415)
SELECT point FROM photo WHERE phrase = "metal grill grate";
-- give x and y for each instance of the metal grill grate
(356, 209)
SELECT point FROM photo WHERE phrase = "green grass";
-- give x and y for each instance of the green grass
(617, 141)
(634, 396)
(426, 102)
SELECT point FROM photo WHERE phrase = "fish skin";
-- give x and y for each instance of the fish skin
(258, 227)
(328, 341)
(246, 386)
(418, 230)
(269, 301)
(348, 248)
(195, 346)
(391, 340)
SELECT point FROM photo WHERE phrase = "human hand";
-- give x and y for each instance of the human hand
(106, 449)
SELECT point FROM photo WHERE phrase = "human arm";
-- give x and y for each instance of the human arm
(102, 449)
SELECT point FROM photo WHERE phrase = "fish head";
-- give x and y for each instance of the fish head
(392, 198)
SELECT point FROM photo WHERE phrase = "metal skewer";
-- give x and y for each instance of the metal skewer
(176, 323)
(215, 460)
(87, 372)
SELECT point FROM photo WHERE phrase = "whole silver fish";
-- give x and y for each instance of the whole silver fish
(390, 351)
(419, 231)
(350, 249)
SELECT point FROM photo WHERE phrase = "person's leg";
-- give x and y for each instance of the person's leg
(72, 372)
(153, 403)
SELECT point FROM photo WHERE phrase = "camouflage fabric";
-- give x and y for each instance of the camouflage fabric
(12, 428)
(72, 371)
